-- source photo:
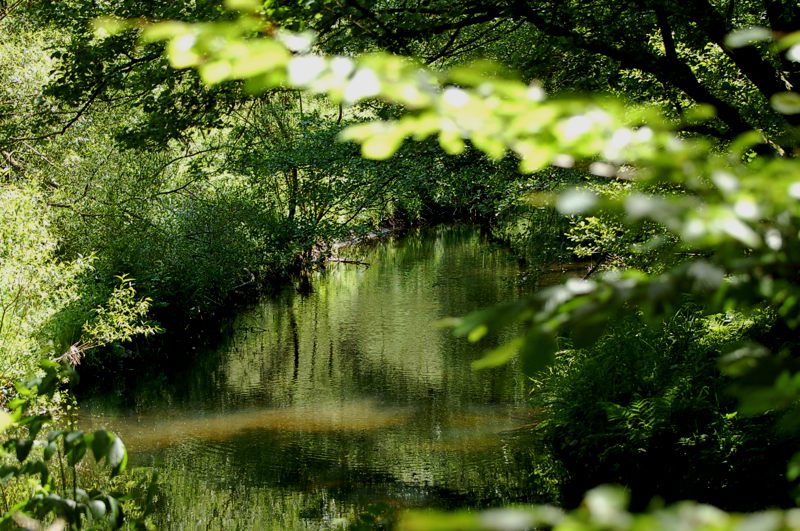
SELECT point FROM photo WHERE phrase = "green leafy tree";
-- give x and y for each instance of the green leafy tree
(727, 217)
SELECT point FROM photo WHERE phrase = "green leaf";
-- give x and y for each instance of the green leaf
(477, 333)
(36, 425)
(37, 467)
(115, 514)
(97, 509)
(23, 448)
(786, 102)
(451, 142)
(794, 53)
(576, 201)
(747, 36)
(499, 356)
(793, 470)
(7, 472)
(743, 359)
(76, 453)
(74, 447)
(700, 113)
(162, 31)
(117, 456)
(49, 450)
(607, 504)
(101, 444)
(5, 421)
(538, 351)
(533, 155)
(477, 72)
(71, 439)
(247, 6)
(587, 331)
(469, 322)
(381, 146)
(104, 27)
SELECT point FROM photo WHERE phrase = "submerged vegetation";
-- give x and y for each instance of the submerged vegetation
(162, 162)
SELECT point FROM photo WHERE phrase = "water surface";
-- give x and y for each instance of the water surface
(347, 402)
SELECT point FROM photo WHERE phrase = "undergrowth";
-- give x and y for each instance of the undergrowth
(648, 408)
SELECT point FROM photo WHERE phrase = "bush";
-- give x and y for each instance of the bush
(36, 288)
(648, 408)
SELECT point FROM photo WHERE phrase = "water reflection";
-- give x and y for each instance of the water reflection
(322, 405)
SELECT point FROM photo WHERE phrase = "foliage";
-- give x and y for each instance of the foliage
(728, 217)
(45, 301)
(123, 317)
(603, 508)
(23, 71)
(189, 237)
(724, 216)
(34, 285)
(664, 52)
(646, 407)
(88, 74)
(52, 496)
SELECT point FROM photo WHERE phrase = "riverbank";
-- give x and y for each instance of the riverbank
(186, 332)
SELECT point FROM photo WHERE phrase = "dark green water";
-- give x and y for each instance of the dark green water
(321, 408)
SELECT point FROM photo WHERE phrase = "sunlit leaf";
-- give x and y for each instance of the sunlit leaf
(97, 508)
(244, 6)
(700, 113)
(477, 72)
(477, 333)
(451, 142)
(786, 102)
(439, 521)
(607, 505)
(5, 421)
(577, 201)
(534, 155)
(296, 42)
(181, 51)
(381, 146)
(746, 36)
(500, 355)
(215, 72)
(107, 26)
(117, 456)
(162, 31)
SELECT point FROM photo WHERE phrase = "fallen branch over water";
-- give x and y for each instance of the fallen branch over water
(345, 261)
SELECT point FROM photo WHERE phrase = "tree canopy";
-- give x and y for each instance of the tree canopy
(211, 152)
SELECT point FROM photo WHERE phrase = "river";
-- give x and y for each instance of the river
(343, 405)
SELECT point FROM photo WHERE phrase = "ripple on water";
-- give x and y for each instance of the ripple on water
(351, 391)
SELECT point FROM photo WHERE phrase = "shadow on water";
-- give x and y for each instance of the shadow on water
(319, 406)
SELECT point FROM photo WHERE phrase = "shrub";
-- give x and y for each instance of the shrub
(35, 286)
(648, 408)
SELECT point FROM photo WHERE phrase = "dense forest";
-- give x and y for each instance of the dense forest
(164, 164)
